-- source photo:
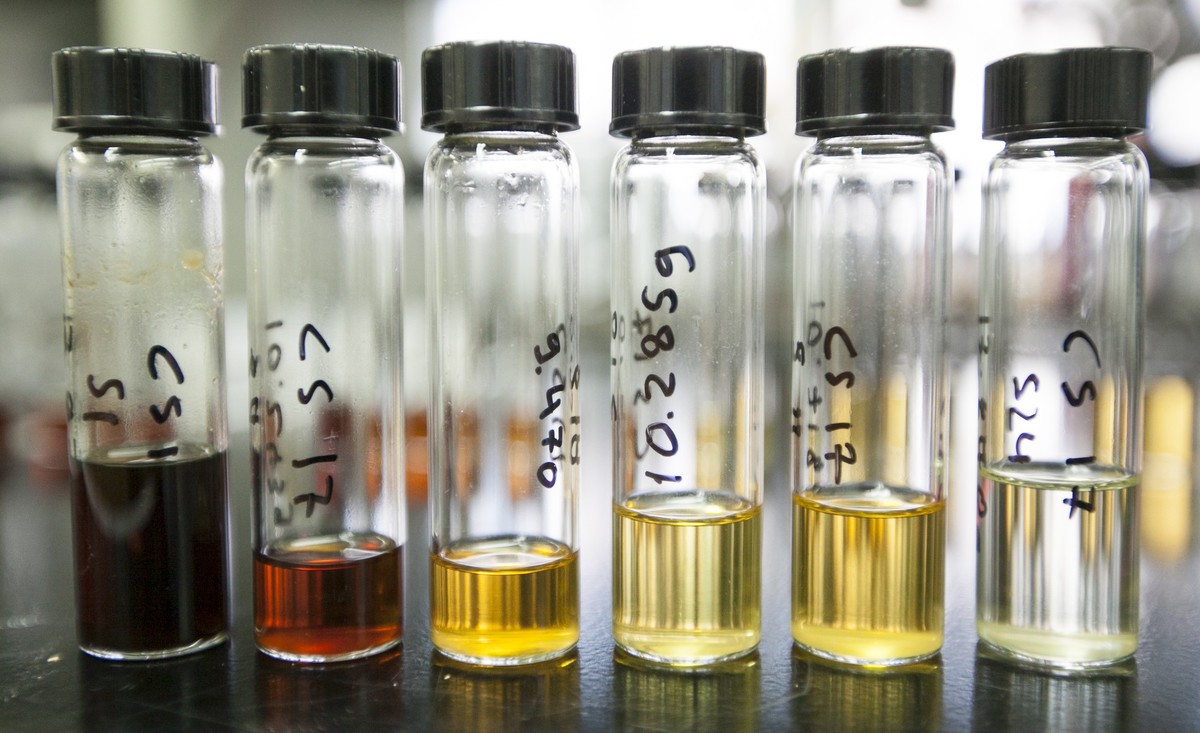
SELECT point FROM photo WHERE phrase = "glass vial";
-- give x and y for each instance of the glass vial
(324, 197)
(1060, 352)
(139, 204)
(502, 219)
(872, 229)
(688, 195)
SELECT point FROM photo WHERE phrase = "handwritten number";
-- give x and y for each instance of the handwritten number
(657, 303)
(668, 387)
(305, 462)
(553, 346)
(663, 340)
(1020, 457)
(552, 402)
(1018, 390)
(659, 478)
(105, 417)
(662, 259)
(1014, 411)
(663, 429)
(547, 474)
(312, 499)
(553, 440)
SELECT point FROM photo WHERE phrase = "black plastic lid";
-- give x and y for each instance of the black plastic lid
(1074, 91)
(498, 85)
(888, 88)
(133, 90)
(688, 89)
(321, 87)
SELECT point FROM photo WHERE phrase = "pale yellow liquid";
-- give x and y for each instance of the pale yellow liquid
(868, 574)
(687, 577)
(1057, 585)
(504, 600)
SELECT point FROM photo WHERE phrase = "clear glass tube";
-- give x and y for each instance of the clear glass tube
(502, 222)
(1060, 355)
(869, 400)
(323, 237)
(687, 386)
(145, 342)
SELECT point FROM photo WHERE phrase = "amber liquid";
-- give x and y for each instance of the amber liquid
(327, 599)
(687, 577)
(504, 600)
(868, 574)
(151, 552)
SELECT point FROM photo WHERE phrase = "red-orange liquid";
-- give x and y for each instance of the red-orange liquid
(324, 603)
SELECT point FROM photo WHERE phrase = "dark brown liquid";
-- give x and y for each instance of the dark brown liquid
(329, 600)
(151, 555)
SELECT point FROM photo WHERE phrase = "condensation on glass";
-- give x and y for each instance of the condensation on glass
(139, 203)
(502, 218)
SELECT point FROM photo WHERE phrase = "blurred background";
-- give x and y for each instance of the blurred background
(32, 375)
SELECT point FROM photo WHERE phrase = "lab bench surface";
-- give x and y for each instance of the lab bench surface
(46, 684)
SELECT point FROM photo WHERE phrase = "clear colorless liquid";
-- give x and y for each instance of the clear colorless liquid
(1058, 563)
(686, 585)
(867, 574)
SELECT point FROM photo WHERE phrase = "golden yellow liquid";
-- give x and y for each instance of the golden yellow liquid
(687, 577)
(504, 600)
(868, 574)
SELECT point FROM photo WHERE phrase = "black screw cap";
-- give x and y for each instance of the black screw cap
(878, 89)
(98, 89)
(321, 87)
(498, 85)
(688, 90)
(1076, 91)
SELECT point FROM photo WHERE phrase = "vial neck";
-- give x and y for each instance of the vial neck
(698, 139)
(1075, 144)
(538, 135)
(323, 133)
(138, 142)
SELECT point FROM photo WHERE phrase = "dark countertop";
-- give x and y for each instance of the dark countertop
(46, 684)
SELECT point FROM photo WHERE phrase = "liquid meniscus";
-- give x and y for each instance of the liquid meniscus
(504, 600)
(151, 551)
(868, 574)
(331, 598)
(687, 577)
(1058, 563)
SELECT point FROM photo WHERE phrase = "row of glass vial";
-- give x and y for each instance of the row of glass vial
(142, 267)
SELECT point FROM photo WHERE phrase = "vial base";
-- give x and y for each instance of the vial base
(151, 552)
(1058, 564)
(868, 574)
(500, 601)
(329, 599)
(687, 577)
